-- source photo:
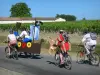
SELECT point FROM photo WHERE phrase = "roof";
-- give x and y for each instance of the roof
(25, 18)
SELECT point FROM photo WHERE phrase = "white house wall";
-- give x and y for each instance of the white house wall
(31, 21)
(12, 22)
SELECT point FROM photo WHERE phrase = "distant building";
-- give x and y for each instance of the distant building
(60, 19)
(10, 20)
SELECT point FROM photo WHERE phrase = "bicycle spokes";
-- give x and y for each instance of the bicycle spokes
(95, 59)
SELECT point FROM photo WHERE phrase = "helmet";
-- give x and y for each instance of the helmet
(61, 31)
(85, 32)
(10, 31)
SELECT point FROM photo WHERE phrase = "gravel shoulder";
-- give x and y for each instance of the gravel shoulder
(4, 71)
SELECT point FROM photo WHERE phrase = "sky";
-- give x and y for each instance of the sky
(90, 9)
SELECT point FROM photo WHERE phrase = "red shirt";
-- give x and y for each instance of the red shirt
(61, 39)
(66, 44)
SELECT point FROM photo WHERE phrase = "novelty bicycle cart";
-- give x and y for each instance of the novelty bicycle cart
(33, 47)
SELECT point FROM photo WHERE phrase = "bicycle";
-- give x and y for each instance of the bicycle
(14, 53)
(93, 57)
(67, 60)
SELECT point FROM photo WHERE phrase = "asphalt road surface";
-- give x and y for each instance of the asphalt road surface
(44, 66)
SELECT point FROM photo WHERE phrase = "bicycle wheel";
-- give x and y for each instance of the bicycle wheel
(80, 57)
(15, 54)
(68, 62)
(7, 52)
(57, 58)
(94, 59)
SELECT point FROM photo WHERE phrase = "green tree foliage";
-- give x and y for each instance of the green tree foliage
(20, 10)
(66, 17)
(84, 18)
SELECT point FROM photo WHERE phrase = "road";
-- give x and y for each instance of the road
(42, 66)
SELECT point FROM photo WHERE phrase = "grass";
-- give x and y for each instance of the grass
(74, 38)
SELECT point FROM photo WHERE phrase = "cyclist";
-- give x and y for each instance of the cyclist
(25, 36)
(64, 47)
(60, 37)
(11, 38)
(89, 41)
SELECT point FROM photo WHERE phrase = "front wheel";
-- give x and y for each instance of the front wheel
(68, 62)
(15, 54)
(94, 59)
(57, 58)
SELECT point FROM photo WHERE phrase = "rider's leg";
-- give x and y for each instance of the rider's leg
(9, 48)
(61, 58)
(87, 47)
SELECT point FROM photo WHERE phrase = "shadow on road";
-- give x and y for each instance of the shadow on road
(54, 63)
(86, 62)
(51, 63)
(30, 56)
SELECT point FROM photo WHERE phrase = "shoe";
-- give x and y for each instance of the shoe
(61, 63)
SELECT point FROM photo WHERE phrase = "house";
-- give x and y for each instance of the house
(11, 20)
(60, 19)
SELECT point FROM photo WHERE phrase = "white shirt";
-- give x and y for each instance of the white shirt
(24, 33)
(11, 37)
(87, 38)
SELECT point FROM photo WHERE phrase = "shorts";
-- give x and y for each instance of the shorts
(13, 43)
(63, 53)
(90, 46)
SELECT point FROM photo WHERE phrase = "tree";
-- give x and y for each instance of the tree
(84, 18)
(57, 15)
(66, 17)
(20, 10)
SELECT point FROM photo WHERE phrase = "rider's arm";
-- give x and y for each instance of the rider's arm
(8, 38)
(59, 38)
(84, 40)
(56, 42)
(21, 35)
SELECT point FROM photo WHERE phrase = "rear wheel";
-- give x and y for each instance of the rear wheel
(15, 54)
(94, 59)
(68, 62)
(80, 57)
(7, 52)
